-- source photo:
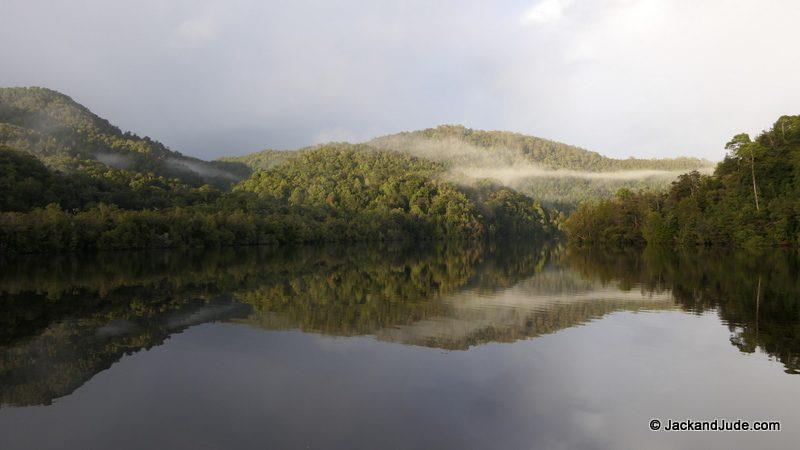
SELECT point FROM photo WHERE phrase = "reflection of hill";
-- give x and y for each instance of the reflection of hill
(348, 297)
(66, 320)
(66, 354)
(547, 301)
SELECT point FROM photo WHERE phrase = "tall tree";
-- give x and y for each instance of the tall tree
(742, 147)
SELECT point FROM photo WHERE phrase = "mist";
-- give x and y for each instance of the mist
(114, 160)
(467, 163)
(510, 174)
(201, 168)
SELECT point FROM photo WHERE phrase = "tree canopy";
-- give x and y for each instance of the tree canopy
(752, 199)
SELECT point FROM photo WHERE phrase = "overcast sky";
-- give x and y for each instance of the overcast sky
(623, 77)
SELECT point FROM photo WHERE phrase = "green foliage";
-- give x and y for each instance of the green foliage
(25, 183)
(263, 160)
(402, 192)
(751, 200)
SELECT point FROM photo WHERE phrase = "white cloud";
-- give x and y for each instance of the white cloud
(622, 77)
(545, 11)
(196, 30)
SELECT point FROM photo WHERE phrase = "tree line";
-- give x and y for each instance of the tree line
(338, 192)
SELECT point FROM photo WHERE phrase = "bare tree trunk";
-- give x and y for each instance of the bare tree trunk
(783, 130)
(753, 173)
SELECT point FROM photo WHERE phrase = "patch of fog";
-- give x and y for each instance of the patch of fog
(200, 168)
(467, 161)
(510, 174)
(114, 160)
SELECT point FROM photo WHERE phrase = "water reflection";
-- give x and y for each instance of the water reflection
(756, 294)
(63, 320)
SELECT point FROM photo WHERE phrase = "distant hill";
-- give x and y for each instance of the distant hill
(67, 136)
(458, 144)
(557, 174)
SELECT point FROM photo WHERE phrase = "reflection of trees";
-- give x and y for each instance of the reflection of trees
(756, 295)
(63, 320)
(509, 295)
(371, 291)
(66, 354)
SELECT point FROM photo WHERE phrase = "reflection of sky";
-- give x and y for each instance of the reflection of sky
(597, 386)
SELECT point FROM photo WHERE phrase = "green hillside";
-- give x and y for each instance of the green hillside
(69, 137)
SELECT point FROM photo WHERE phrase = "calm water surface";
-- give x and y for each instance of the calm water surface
(494, 346)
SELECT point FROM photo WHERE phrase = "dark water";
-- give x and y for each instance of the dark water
(511, 346)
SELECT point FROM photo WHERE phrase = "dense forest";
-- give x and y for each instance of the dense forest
(751, 200)
(71, 181)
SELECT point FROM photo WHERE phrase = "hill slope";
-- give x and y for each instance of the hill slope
(68, 136)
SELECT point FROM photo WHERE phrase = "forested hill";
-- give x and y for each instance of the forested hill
(558, 175)
(458, 144)
(69, 137)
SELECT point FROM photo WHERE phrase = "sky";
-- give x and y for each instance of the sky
(645, 78)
